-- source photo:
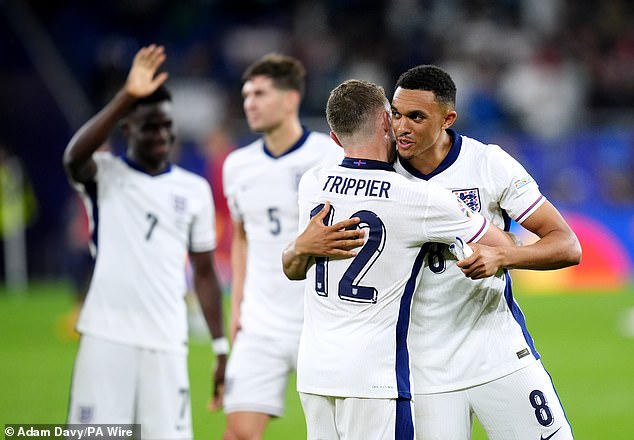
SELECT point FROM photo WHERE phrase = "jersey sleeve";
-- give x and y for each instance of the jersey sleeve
(448, 217)
(519, 193)
(105, 162)
(203, 228)
(104, 177)
(230, 188)
(304, 192)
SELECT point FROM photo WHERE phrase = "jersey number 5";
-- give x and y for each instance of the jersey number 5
(274, 219)
(350, 288)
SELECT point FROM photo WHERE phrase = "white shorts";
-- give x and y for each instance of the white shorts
(520, 406)
(257, 374)
(121, 384)
(352, 418)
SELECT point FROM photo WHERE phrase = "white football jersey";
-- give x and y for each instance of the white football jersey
(261, 192)
(357, 311)
(144, 227)
(466, 332)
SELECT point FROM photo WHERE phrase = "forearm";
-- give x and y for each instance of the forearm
(238, 274)
(555, 250)
(294, 264)
(238, 267)
(94, 133)
(209, 295)
(237, 294)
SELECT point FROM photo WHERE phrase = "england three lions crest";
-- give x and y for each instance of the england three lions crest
(471, 197)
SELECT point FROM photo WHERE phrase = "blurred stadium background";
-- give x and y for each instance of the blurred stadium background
(551, 81)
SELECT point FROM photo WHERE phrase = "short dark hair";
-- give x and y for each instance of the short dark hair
(351, 105)
(287, 72)
(159, 95)
(430, 78)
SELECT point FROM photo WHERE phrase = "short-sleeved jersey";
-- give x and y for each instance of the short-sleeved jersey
(466, 332)
(357, 311)
(261, 191)
(143, 227)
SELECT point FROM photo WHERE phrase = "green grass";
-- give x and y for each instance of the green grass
(579, 336)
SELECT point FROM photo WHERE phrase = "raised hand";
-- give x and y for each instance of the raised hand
(142, 78)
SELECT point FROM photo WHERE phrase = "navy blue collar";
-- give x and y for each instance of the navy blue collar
(367, 164)
(452, 156)
(138, 167)
(295, 146)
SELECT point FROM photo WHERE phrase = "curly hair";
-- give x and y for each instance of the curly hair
(430, 78)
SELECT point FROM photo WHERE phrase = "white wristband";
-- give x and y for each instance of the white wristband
(220, 345)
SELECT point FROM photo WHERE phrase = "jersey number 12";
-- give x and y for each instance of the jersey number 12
(350, 288)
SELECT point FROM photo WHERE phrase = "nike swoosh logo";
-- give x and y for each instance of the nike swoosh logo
(546, 438)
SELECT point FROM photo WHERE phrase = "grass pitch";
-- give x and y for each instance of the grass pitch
(586, 342)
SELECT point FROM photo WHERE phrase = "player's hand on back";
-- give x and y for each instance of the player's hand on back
(142, 78)
(334, 241)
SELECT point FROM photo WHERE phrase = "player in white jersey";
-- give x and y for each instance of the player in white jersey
(260, 183)
(452, 325)
(471, 351)
(353, 366)
(148, 217)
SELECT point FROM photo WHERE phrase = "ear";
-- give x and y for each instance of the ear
(334, 137)
(294, 99)
(386, 122)
(450, 118)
